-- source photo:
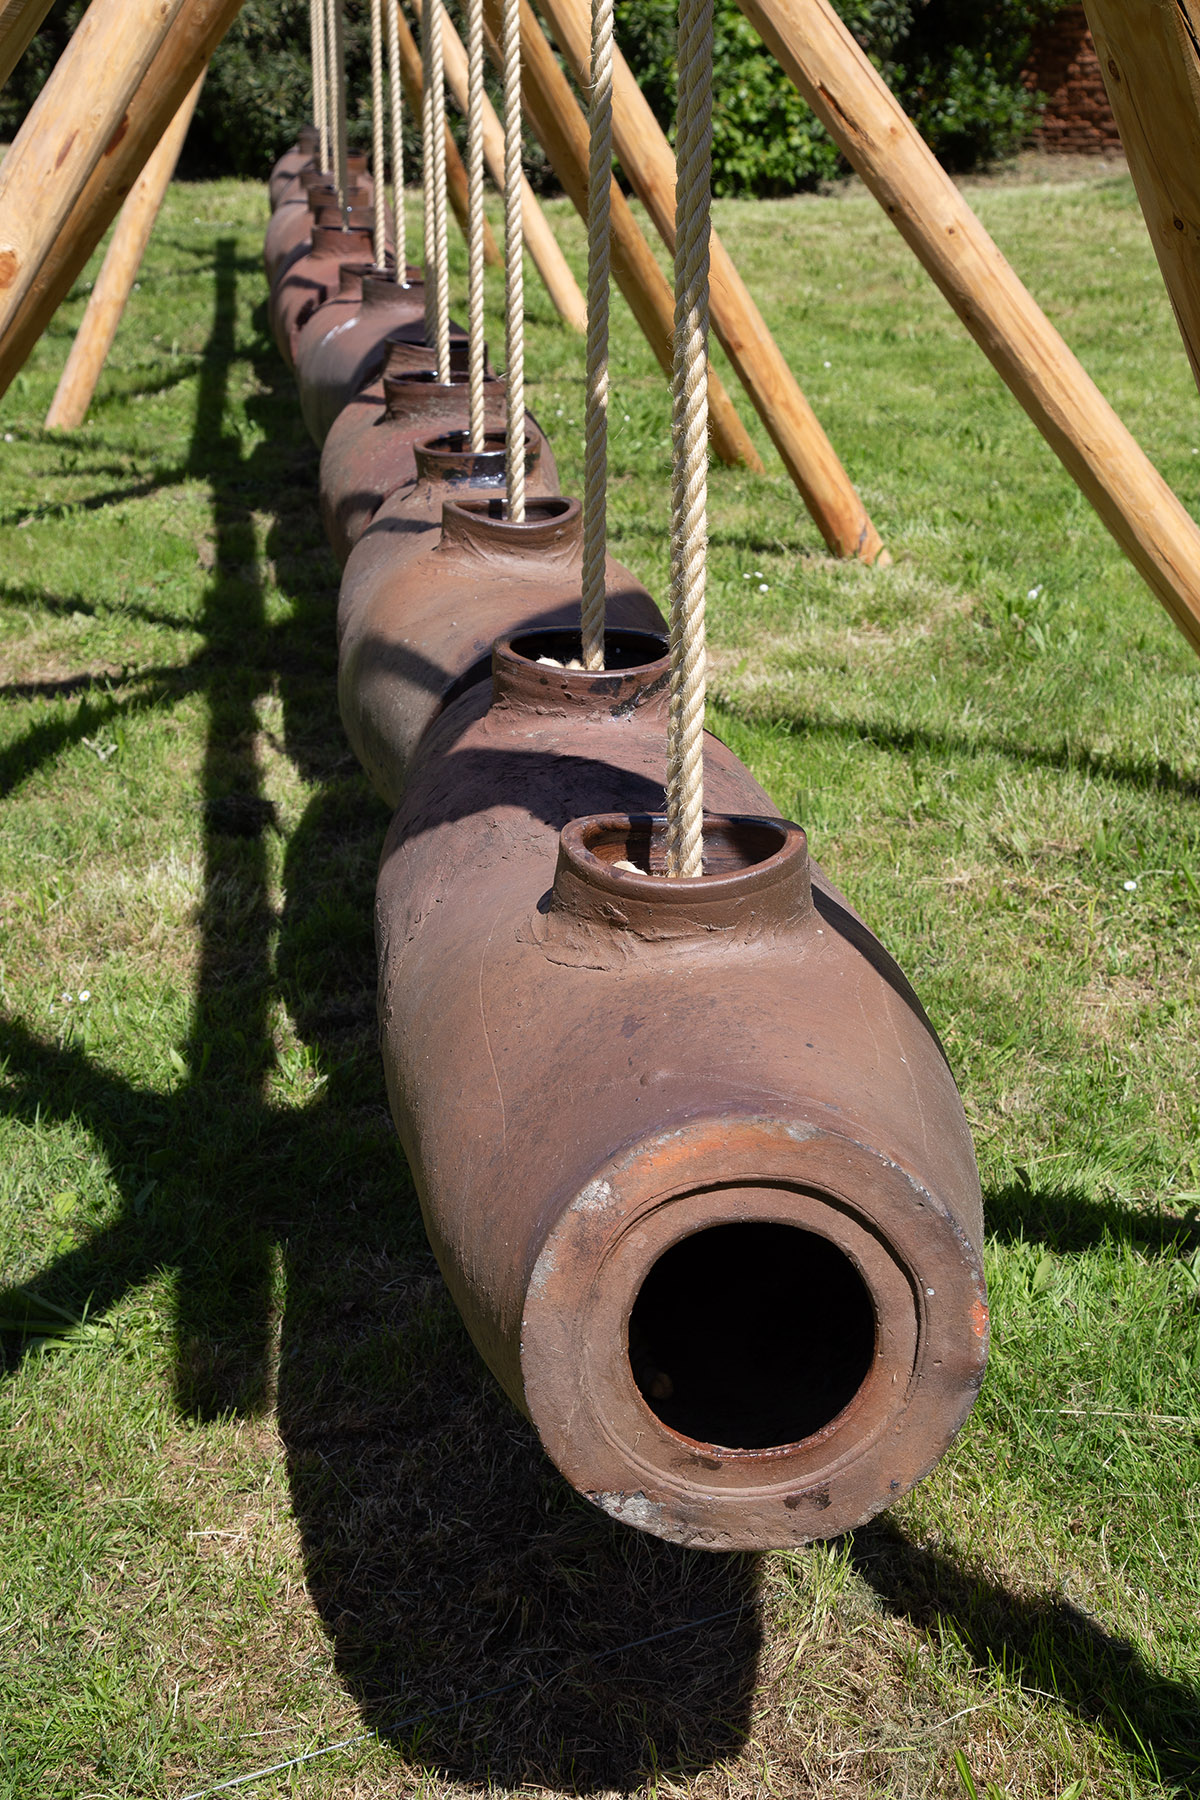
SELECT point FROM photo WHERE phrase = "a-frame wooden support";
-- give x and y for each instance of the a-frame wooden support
(869, 125)
(99, 184)
(553, 115)
(19, 20)
(106, 303)
(649, 164)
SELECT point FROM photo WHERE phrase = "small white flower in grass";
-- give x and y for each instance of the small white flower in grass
(1034, 591)
(65, 998)
(829, 365)
(559, 411)
(8, 438)
(1131, 887)
(85, 994)
(758, 574)
(627, 418)
(763, 587)
(746, 576)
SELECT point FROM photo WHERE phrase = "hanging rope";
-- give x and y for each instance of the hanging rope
(316, 32)
(514, 271)
(337, 96)
(689, 436)
(396, 98)
(595, 469)
(377, 131)
(475, 98)
(437, 271)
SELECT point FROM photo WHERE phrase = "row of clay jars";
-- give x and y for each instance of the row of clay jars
(282, 192)
(689, 1153)
(370, 450)
(297, 157)
(343, 345)
(291, 227)
(417, 622)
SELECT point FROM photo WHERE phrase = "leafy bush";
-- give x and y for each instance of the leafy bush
(955, 64)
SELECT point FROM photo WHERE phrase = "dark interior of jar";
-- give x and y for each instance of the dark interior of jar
(622, 649)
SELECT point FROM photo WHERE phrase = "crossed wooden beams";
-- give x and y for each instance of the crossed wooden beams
(71, 168)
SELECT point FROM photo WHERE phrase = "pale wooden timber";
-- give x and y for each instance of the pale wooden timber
(865, 120)
(185, 50)
(649, 163)
(66, 132)
(19, 20)
(93, 340)
(540, 241)
(1150, 53)
(456, 175)
(556, 120)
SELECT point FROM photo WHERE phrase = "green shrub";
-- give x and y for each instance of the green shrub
(955, 65)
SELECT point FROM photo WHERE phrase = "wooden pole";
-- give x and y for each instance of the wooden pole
(649, 163)
(93, 340)
(1150, 53)
(556, 120)
(456, 175)
(70, 126)
(540, 241)
(186, 49)
(864, 118)
(19, 20)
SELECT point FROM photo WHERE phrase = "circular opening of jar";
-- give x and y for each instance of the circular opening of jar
(730, 845)
(622, 649)
(751, 1336)
(546, 507)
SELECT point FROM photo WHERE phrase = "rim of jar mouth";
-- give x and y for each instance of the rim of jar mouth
(780, 845)
(516, 651)
(450, 455)
(543, 513)
(327, 239)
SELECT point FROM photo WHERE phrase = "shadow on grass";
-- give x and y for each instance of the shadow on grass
(1044, 1644)
(921, 740)
(1066, 1218)
(444, 1555)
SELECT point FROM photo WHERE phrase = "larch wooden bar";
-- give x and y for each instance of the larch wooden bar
(867, 122)
(93, 340)
(413, 79)
(649, 163)
(540, 241)
(184, 52)
(556, 120)
(19, 21)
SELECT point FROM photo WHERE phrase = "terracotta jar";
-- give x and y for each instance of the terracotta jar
(311, 279)
(343, 345)
(410, 520)
(689, 1153)
(369, 450)
(411, 644)
(356, 174)
(290, 230)
(300, 156)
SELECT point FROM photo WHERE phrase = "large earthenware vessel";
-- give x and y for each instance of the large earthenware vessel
(313, 278)
(415, 642)
(343, 345)
(689, 1152)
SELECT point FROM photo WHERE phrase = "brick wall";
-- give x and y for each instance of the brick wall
(1064, 66)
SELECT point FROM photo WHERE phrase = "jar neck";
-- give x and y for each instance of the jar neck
(448, 461)
(550, 534)
(541, 671)
(343, 245)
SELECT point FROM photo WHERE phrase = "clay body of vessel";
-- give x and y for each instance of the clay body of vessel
(410, 520)
(342, 347)
(370, 448)
(311, 279)
(408, 645)
(299, 156)
(291, 226)
(689, 1153)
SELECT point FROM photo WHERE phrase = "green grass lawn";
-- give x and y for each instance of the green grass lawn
(257, 1493)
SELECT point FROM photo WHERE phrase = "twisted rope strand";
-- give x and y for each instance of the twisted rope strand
(377, 130)
(475, 98)
(316, 34)
(337, 95)
(595, 477)
(514, 268)
(428, 251)
(689, 432)
(437, 81)
(396, 97)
